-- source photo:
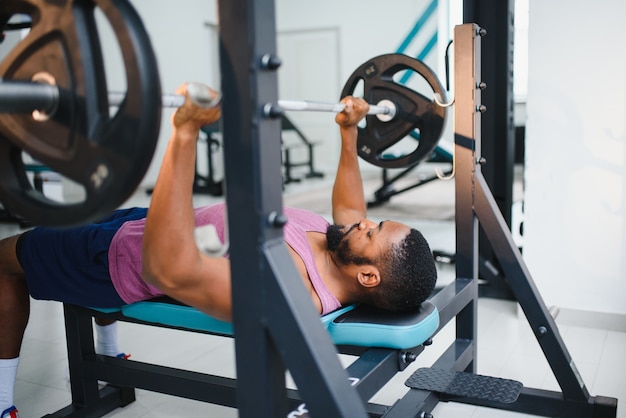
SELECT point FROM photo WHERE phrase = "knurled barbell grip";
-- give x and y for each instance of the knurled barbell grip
(169, 100)
(311, 106)
(199, 94)
(173, 100)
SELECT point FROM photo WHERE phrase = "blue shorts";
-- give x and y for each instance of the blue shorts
(72, 265)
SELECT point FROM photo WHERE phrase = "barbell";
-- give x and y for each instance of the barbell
(55, 106)
(42, 97)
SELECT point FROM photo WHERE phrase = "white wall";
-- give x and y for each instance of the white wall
(366, 27)
(575, 190)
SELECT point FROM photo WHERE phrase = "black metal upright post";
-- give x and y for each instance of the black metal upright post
(498, 126)
(276, 326)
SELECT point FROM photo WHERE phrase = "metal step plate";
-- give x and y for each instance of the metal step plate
(467, 385)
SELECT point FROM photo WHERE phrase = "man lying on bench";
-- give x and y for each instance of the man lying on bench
(136, 254)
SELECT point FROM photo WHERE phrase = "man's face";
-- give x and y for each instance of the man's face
(365, 241)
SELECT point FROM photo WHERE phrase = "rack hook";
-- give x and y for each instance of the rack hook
(437, 99)
(441, 175)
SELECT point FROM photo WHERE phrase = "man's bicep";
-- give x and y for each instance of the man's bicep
(209, 290)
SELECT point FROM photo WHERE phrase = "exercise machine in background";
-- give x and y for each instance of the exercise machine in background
(297, 151)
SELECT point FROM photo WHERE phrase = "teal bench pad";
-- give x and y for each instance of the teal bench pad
(369, 327)
(353, 325)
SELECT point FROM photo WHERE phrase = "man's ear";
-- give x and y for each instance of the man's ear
(368, 276)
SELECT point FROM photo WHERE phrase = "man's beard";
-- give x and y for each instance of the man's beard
(337, 244)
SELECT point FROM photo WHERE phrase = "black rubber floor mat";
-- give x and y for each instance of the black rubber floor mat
(465, 384)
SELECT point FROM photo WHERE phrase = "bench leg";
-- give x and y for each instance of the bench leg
(87, 398)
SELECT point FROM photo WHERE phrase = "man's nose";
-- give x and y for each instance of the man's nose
(367, 224)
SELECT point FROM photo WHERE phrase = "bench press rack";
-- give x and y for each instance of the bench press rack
(275, 324)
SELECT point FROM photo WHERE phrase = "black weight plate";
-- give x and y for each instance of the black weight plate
(107, 155)
(414, 111)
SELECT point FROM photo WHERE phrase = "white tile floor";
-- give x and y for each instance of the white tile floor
(506, 348)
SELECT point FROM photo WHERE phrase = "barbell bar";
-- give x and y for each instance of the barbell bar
(43, 100)
(384, 107)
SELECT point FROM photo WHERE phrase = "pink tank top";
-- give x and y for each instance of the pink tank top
(125, 252)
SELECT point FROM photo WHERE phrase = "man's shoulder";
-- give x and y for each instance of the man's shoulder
(301, 213)
(305, 218)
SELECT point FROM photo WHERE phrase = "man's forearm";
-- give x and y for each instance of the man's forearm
(168, 237)
(170, 255)
(348, 197)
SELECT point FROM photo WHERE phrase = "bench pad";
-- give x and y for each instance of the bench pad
(352, 325)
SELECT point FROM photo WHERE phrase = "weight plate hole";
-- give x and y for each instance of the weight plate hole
(415, 81)
(405, 146)
(50, 184)
(112, 57)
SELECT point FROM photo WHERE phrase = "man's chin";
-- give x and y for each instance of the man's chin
(334, 235)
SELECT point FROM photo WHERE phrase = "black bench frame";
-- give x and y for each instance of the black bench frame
(373, 368)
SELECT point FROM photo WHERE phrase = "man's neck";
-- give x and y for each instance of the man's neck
(328, 268)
